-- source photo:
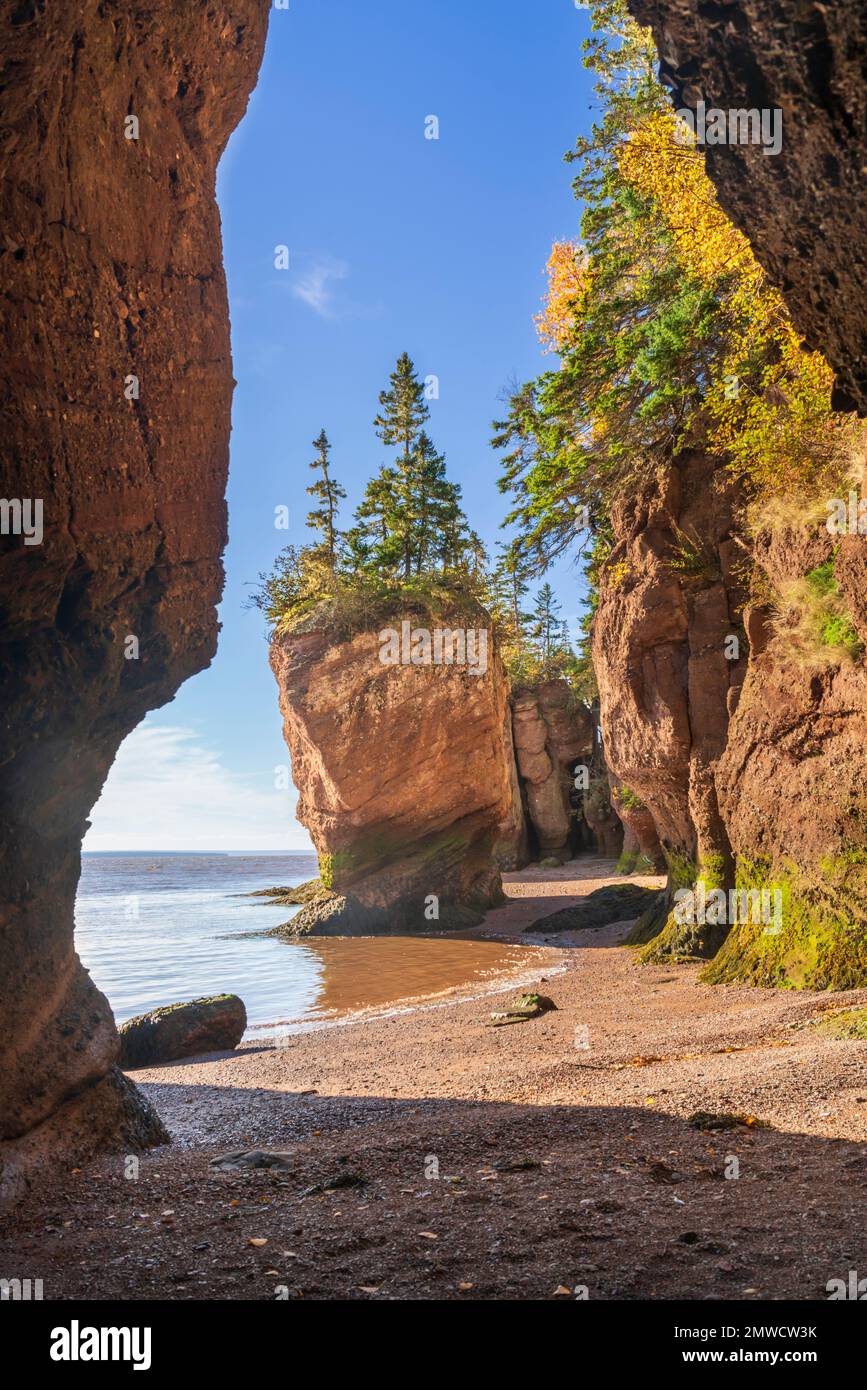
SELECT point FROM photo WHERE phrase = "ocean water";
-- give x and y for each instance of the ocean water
(157, 929)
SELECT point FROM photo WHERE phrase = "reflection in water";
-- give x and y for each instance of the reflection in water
(359, 972)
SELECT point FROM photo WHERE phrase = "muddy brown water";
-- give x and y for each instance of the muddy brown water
(370, 973)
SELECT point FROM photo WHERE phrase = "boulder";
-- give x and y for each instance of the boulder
(183, 1030)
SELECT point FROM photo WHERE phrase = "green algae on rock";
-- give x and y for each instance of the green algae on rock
(618, 902)
(821, 942)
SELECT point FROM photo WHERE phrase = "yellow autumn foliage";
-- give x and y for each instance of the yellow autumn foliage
(568, 278)
(776, 426)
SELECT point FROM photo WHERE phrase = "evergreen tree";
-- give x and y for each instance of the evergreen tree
(329, 495)
(403, 409)
(376, 542)
(409, 531)
(428, 485)
(403, 412)
(547, 628)
(509, 588)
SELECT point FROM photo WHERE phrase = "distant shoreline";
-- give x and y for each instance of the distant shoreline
(199, 853)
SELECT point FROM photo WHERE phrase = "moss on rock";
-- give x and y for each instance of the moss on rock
(849, 1025)
(819, 944)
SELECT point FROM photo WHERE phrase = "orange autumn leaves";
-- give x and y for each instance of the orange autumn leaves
(567, 280)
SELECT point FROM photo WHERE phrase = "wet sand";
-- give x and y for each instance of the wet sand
(430, 1155)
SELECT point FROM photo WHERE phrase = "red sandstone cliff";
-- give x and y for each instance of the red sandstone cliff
(112, 269)
(551, 735)
(781, 784)
(406, 782)
(669, 601)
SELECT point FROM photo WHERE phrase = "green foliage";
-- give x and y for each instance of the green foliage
(329, 494)
(668, 335)
(812, 623)
(693, 560)
(410, 548)
(628, 799)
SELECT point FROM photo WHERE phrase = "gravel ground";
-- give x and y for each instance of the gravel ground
(429, 1155)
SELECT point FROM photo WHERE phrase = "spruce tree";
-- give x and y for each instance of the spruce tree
(376, 542)
(329, 494)
(403, 412)
(510, 585)
(403, 409)
(547, 629)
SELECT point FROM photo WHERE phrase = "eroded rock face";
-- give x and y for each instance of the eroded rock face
(405, 782)
(753, 769)
(669, 603)
(790, 781)
(112, 270)
(550, 734)
(791, 787)
(641, 846)
(804, 209)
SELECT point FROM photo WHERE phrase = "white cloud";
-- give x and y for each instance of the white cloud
(168, 791)
(316, 285)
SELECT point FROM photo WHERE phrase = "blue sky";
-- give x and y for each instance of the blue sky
(396, 242)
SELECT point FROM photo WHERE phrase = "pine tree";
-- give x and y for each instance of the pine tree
(547, 628)
(329, 494)
(403, 408)
(376, 542)
(403, 412)
(510, 585)
(428, 480)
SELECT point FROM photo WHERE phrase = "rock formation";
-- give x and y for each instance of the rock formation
(405, 778)
(669, 605)
(642, 850)
(114, 326)
(602, 819)
(804, 208)
(791, 786)
(551, 736)
(767, 791)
